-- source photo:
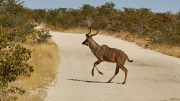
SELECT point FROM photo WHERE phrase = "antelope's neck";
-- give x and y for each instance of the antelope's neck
(94, 46)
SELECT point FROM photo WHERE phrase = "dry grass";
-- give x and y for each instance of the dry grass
(49, 27)
(145, 42)
(131, 37)
(45, 59)
(78, 30)
(85, 30)
(171, 51)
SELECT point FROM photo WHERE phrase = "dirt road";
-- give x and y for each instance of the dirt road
(152, 76)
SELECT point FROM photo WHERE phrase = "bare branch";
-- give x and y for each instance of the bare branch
(89, 21)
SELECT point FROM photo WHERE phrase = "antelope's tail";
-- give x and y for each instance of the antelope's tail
(129, 59)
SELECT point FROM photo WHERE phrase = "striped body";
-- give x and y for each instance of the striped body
(105, 53)
(111, 54)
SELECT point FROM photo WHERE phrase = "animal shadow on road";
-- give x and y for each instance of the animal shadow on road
(172, 99)
(88, 81)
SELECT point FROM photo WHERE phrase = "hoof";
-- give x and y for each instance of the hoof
(101, 73)
(108, 82)
(123, 82)
(92, 74)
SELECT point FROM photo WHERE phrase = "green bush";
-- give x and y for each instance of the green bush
(13, 63)
(16, 29)
(43, 36)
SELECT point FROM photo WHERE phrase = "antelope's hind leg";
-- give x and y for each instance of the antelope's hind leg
(116, 72)
(95, 64)
(126, 72)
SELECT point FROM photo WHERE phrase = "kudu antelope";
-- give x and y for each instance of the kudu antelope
(105, 53)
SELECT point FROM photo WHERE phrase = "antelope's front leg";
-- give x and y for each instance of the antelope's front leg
(95, 64)
(92, 72)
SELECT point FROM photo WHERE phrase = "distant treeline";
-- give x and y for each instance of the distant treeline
(159, 27)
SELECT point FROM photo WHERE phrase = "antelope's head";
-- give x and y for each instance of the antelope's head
(89, 37)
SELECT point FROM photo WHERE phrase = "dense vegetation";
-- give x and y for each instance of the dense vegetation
(159, 27)
(16, 30)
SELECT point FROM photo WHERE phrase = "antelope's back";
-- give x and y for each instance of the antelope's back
(110, 54)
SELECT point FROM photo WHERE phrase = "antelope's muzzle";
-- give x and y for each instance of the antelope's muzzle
(84, 43)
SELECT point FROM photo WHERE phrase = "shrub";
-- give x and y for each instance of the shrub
(15, 30)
